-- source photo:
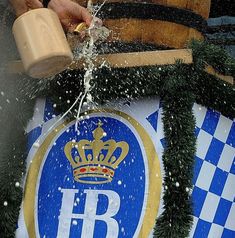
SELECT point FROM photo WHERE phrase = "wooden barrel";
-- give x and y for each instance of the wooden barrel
(167, 23)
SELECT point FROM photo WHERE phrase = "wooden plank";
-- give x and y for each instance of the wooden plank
(15, 67)
(210, 70)
(135, 59)
(125, 60)
(148, 58)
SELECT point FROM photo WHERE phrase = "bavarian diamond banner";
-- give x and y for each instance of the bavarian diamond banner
(102, 177)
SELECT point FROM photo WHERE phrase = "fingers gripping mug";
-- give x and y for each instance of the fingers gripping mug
(41, 43)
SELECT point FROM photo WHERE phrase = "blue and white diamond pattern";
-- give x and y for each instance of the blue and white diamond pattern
(214, 171)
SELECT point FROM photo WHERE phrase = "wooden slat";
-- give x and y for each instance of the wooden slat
(135, 59)
(15, 67)
(147, 58)
(125, 60)
(210, 70)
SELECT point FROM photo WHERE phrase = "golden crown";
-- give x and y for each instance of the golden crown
(94, 161)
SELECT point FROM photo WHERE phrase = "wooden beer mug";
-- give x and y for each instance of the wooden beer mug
(41, 43)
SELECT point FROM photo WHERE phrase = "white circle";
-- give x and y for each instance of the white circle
(17, 184)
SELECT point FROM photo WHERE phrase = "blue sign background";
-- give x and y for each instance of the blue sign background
(128, 182)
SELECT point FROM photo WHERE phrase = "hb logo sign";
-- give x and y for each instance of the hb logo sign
(95, 182)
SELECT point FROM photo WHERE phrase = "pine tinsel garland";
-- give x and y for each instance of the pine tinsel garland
(178, 85)
(178, 157)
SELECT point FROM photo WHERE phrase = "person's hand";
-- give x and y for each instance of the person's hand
(22, 6)
(70, 13)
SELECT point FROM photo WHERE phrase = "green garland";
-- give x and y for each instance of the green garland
(178, 157)
(178, 85)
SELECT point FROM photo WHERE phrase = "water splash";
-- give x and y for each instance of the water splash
(86, 50)
(95, 32)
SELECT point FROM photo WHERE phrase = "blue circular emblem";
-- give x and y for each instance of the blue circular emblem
(93, 181)
(127, 181)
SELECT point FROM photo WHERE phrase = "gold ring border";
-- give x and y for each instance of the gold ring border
(155, 179)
